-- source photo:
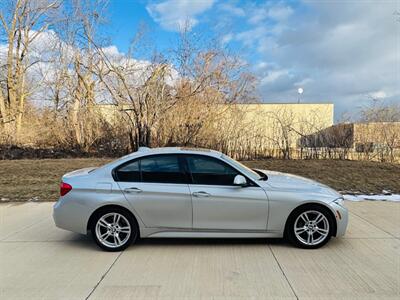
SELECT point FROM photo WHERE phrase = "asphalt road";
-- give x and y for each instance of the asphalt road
(39, 261)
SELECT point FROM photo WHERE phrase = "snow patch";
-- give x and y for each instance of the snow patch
(392, 197)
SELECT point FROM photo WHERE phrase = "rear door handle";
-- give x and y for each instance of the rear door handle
(132, 190)
(201, 194)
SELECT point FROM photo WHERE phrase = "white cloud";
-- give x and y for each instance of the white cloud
(112, 51)
(226, 38)
(260, 65)
(45, 53)
(280, 12)
(378, 95)
(252, 36)
(276, 11)
(341, 52)
(231, 9)
(173, 15)
(272, 76)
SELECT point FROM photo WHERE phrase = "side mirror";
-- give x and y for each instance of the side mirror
(239, 180)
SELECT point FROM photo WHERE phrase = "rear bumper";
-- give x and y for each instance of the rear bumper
(73, 216)
(342, 218)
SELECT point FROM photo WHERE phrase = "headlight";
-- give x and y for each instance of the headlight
(339, 201)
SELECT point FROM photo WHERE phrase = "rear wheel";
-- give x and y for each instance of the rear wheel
(310, 227)
(114, 229)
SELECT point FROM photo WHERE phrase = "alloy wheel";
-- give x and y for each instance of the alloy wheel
(311, 227)
(113, 230)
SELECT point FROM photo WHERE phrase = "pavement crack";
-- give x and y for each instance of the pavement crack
(103, 276)
(23, 229)
(283, 272)
(366, 220)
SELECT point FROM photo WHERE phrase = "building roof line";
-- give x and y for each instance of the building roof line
(251, 103)
(289, 103)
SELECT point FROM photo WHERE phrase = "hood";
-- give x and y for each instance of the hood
(288, 182)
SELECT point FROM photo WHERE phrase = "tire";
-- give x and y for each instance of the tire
(310, 227)
(114, 229)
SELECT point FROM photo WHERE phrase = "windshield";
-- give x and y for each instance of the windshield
(242, 168)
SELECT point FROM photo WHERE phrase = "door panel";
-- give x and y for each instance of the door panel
(156, 187)
(160, 204)
(229, 207)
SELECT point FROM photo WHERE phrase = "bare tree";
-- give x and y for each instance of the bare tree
(381, 129)
(180, 99)
(209, 79)
(282, 123)
(22, 23)
(139, 89)
(74, 85)
(171, 101)
(379, 111)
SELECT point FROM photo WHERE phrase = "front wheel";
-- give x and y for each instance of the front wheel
(114, 230)
(310, 227)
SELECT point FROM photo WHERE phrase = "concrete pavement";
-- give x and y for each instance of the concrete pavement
(39, 261)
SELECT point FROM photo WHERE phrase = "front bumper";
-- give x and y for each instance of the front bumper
(342, 218)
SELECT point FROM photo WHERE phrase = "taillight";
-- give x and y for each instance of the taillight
(64, 188)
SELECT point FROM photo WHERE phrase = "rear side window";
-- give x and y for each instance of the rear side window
(163, 168)
(157, 168)
(210, 171)
(129, 172)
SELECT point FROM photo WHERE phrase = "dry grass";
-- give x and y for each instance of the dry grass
(22, 180)
(342, 175)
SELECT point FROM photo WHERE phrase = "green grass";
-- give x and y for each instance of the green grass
(22, 180)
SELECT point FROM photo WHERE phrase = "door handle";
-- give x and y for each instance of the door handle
(201, 194)
(132, 190)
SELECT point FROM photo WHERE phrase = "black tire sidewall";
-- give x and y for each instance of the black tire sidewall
(132, 223)
(290, 228)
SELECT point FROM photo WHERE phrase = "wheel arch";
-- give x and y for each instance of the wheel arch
(305, 205)
(109, 207)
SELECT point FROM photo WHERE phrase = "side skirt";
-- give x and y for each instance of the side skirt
(178, 233)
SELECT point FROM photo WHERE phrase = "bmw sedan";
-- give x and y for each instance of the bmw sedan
(195, 193)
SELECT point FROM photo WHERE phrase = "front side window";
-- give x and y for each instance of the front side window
(210, 171)
(245, 170)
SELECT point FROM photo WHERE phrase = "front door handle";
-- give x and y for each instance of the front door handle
(132, 190)
(201, 194)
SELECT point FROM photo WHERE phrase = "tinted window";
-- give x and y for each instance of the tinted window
(208, 170)
(163, 169)
(129, 172)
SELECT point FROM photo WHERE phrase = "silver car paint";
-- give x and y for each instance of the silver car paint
(160, 204)
(228, 212)
(229, 207)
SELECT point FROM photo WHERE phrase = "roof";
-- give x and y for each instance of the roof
(144, 151)
(191, 150)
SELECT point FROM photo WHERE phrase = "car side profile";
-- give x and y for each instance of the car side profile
(195, 193)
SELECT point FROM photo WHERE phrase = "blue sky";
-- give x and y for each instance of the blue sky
(345, 52)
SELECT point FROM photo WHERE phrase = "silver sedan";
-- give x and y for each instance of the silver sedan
(181, 192)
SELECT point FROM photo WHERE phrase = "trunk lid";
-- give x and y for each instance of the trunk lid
(80, 172)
